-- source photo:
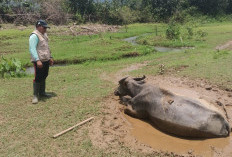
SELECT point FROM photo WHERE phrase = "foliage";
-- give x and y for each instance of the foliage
(219, 54)
(28, 11)
(173, 31)
(85, 8)
(110, 11)
(54, 11)
(163, 9)
(201, 33)
(190, 32)
(11, 68)
(19, 11)
(211, 7)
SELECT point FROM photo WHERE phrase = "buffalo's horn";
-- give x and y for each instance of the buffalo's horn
(140, 78)
(122, 80)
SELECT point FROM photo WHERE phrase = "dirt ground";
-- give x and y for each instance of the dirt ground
(227, 46)
(73, 29)
(89, 29)
(114, 128)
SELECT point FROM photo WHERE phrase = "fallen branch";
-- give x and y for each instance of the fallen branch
(65, 131)
(89, 29)
(73, 32)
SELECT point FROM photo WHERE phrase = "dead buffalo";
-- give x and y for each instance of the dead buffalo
(171, 113)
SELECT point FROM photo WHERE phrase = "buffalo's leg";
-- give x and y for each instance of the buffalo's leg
(136, 107)
(124, 100)
(136, 114)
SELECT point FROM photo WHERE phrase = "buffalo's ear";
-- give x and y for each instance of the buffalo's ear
(141, 82)
(125, 83)
(122, 80)
(140, 78)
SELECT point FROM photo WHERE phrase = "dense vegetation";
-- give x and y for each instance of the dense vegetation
(111, 11)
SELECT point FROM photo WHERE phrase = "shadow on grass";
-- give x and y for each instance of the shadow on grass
(50, 95)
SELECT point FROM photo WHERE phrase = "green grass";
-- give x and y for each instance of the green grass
(104, 46)
(26, 129)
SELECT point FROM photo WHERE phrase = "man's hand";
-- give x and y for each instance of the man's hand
(39, 64)
(51, 62)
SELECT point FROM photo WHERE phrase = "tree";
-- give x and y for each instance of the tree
(162, 9)
(84, 7)
(210, 7)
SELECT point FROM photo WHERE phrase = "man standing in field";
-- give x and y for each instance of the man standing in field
(41, 58)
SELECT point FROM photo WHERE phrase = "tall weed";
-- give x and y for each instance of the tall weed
(173, 31)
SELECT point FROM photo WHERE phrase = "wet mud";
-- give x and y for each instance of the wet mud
(115, 127)
(147, 134)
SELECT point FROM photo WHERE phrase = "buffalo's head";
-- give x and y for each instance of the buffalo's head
(123, 88)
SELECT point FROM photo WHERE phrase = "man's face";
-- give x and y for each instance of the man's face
(42, 29)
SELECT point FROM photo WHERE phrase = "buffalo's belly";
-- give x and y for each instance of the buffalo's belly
(179, 130)
(187, 118)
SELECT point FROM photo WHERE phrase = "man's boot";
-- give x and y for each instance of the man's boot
(42, 92)
(36, 88)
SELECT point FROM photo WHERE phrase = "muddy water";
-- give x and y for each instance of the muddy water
(31, 70)
(132, 40)
(171, 49)
(149, 135)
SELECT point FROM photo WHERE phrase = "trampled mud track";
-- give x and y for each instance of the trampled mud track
(114, 128)
(227, 46)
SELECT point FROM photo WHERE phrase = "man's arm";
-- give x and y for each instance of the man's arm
(33, 42)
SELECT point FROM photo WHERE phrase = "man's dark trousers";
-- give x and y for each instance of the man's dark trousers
(40, 77)
(41, 73)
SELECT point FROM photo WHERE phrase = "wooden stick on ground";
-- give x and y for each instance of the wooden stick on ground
(81, 123)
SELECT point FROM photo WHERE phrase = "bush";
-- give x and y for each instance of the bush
(202, 33)
(173, 31)
(54, 12)
(190, 32)
(11, 68)
(78, 18)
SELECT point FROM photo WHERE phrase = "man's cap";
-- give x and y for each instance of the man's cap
(42, 23)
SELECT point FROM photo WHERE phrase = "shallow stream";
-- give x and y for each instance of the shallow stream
(31, 70)
(132, 40)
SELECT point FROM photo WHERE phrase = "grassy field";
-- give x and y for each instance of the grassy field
(26, 129)
(110, 46)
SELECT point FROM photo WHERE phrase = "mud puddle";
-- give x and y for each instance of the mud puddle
(115, 128)
(147, 134)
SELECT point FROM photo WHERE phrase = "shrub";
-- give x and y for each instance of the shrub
(173, 31)
(11, 68)
(202, 33)
(54, 12)
(190, 32)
